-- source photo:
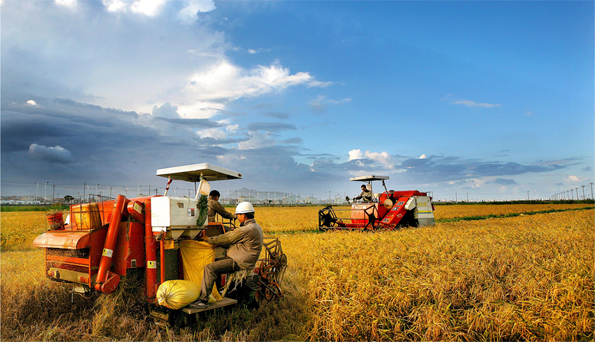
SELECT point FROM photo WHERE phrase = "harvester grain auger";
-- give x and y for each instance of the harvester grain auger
(102, 242)
(387, 210)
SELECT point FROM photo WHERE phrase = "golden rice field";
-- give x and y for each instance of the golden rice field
(467, 210)
(528, 277)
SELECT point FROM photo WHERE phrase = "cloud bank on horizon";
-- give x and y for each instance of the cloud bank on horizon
(109, 91)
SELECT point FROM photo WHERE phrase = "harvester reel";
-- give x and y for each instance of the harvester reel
(271, 272)
(327, 218)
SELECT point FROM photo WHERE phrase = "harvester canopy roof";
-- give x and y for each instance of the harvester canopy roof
(368, 178)
(192, 173)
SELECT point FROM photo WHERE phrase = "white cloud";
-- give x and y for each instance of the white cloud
(573, 179)
(225, 82)
(56, 154)
(152, 8)
(319, 105)
(67, 3)
(469, 103)
(257, 140)
(382, 157)
(115, 5)
(200, 110)
(214, 133)
(345, 100)
(232, 128)
(229, 158)
(32, 103)
(189, 14)
(165, 111)
(423, 156)
(147, 7)
(355, 154)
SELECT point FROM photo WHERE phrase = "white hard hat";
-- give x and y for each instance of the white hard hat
(244, 207)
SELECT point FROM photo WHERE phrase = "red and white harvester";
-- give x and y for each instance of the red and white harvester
(387, 210)
(102, 242)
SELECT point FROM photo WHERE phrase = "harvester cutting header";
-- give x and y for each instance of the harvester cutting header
(387, 210)
(104, 241)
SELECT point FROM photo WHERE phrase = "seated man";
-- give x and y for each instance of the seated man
(216, 208)
(245, 244)
(366, 195)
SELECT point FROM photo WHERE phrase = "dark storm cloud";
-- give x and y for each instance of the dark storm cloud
(271, 126)
(17, 130)
(100, 145)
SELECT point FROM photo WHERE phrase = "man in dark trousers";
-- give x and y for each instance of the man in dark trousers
(245, 244)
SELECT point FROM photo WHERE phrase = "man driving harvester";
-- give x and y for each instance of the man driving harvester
(366, 195)
(244, 245)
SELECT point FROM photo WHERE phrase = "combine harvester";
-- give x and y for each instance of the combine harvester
(387, 211)
(102, 242)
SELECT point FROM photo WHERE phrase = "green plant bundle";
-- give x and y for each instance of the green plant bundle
(202, 206)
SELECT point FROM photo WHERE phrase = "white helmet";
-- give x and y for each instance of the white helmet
(244, 207)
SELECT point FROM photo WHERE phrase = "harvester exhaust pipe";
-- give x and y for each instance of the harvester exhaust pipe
(107, 281)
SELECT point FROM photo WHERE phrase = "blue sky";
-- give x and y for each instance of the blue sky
(477, 99)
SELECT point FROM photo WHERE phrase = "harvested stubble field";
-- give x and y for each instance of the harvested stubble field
(527, 277)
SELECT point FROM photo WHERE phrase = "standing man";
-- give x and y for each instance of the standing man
(366, 195)
(216, 208)
(245, 244)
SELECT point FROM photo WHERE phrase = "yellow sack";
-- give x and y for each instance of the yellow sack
(176, 294)
(195, 256)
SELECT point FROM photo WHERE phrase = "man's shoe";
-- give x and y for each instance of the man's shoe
(199, 304)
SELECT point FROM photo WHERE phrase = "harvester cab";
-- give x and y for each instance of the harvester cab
(386, 210)
(102, 242)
